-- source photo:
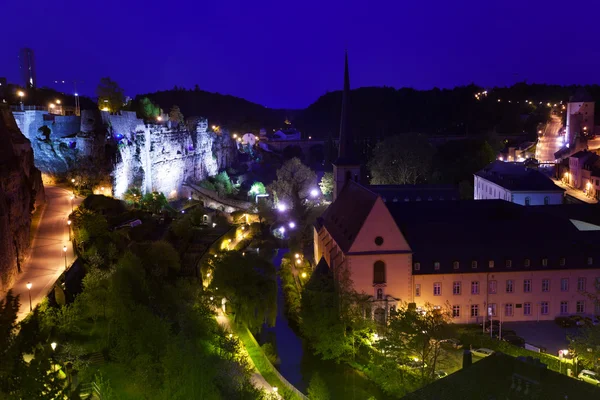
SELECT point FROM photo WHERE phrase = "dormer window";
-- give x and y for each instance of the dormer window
(473, 264)
(544, 262)
(527, 262)
(508, 263)
(562, 261)
(590, 261)
(491, 264)
(417, 266)
(455, 264)
(436, 265)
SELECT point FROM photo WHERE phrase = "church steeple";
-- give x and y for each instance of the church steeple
(346, 167)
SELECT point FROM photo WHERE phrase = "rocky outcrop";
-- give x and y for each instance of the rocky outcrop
(21, 190)
(162, 158)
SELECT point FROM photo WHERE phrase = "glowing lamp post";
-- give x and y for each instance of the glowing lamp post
(314, 193)
(69, 225)
(21, 94)
(292, 225)
(53, 345)
(281, 207)
(65, 252)
(304, 275)
(29, 289)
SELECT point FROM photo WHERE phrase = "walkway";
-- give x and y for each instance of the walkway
(576, 193)
(549, 143)
(47, 259)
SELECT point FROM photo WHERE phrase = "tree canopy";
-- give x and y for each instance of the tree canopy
(110, 95)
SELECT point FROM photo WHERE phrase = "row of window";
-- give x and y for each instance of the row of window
(509, 286)
(527, 309)
(507, 263)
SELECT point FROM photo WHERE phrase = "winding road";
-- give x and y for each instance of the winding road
(47, 258)
(549, 143)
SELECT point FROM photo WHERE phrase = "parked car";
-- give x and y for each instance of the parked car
(482, 352)
(589, 376)
(452, 342)
(514, 340)
(440, 374)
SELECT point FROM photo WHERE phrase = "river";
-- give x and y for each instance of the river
(298, 364)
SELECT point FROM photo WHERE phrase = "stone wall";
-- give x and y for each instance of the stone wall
(21, 190)
(160, 158)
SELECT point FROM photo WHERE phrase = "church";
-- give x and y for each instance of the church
(421, 244)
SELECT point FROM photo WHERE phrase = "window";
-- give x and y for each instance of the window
(418, 290)
(590, 261)
(564, 307)
(456, 288)
(379, 294)
(509, 286)
(545, 285)
(378, 240)
(544, 307)
(474, 310)
(493, 286)
(562, 261)
(492, 306)
(527, 201)
(527, 286)
(581, 284)
(580, 306)
(455, 264)
(475, 287)
(544, 262)
(437, 289)
(473, 264)
(379, 271)
(417, 266)
(527, 262)
(546, 200)
(436, 266)
(508, 309)
(527, 309)
(455, 311)
(491, 264)
(564, 285)
(508, 263)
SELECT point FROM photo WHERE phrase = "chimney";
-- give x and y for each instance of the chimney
(467, 358)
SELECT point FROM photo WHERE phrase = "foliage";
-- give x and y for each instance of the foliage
(148, 110)
(294, 183)
(175, 115)
(332, 315)
(110, 95)
(317, 389)
(133, 196)
(401, 159)
(457, 160)
(587, 344)
(154, 202)
(248, 283)
(223, 184)
(257, 188)
(270, 352)
(326, 184)
(413, 333)
(45, 130)
(290, 291)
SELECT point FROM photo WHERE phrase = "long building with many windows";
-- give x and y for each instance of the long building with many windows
(516, 262)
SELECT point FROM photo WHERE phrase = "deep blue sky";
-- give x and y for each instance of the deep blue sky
(288, 53)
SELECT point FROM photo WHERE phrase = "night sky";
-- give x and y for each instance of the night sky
(286, 54)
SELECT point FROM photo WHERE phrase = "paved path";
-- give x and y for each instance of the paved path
(576, 193)
(47, 259)
(549, 143)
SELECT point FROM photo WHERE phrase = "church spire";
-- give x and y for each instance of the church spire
(346, 143)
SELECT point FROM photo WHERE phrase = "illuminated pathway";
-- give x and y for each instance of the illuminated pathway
(550, 142)
(47, 259)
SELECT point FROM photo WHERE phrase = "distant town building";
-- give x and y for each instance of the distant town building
(516, 183)
(27, 65)
(580, 115)
(584, 173)
(287, 134)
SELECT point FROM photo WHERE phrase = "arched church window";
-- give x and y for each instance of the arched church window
(379, 272)
(379, 294)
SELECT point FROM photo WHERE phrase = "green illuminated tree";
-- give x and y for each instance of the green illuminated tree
(110, 95)
(326, 184)
(257, 188)
(148, 110)
(317, 389)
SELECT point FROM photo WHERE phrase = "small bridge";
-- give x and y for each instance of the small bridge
(212, 199)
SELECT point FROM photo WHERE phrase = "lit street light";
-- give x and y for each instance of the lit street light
(292, 225)
(159, 118)
(304, 274)
(297, 255)
(53, 345)
(69, 225)
(29, 289)
(314, 193)
(57, 101)
(65, 251)
(281, 207)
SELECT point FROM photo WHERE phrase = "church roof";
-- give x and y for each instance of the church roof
(346, 154)
(517, 177)
(394, 193)
(344, 218)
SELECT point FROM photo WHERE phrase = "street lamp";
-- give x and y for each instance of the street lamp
(304, 274)
(292, 225)
(314, 193)
(29, 288)
(69, 225)
(65, 251)
(281, 207)
(53, 345)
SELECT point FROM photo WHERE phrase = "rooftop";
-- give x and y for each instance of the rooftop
(502, 377)
(394, 193)
(517, 178)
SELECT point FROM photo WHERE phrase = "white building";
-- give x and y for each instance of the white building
(515, 183)
(580, 115)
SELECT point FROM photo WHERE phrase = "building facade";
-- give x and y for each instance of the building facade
(584, 173)
(580, 115)
(515, 183)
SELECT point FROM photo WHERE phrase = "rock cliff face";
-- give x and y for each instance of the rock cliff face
(162, 158)
(21, 190)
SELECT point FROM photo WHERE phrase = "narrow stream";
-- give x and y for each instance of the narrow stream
(298, 364)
